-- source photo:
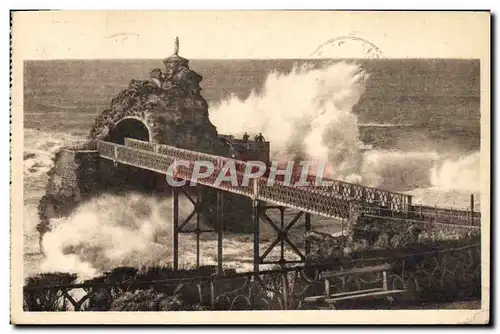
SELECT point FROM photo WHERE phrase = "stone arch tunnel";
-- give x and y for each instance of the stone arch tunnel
(126, 178)
(129, 127)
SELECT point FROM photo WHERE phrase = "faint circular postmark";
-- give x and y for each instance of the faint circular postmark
(347, 47)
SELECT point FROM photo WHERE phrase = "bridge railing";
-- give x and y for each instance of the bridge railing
(314, 200)
(437, 214)
(331, 201)
(186, 155)
(308, 200)
(396, 201)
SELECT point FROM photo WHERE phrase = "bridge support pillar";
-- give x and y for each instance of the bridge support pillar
(175, 228)
(256, 235)
(220, 228)
(179, 226)
(199, 199)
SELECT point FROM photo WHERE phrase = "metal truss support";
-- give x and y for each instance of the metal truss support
(282, 238)
(180, 226)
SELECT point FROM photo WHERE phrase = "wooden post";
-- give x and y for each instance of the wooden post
(256, 236)
(220, 221)
(175, 228)
(327, 288)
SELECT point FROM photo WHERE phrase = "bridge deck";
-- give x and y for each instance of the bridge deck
(334, 201)
(313, 201)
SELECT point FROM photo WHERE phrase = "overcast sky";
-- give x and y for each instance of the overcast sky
(87, 35)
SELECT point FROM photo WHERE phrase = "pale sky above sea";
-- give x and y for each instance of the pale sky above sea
(247, 34)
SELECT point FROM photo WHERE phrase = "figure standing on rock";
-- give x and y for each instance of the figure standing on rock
(259, 138)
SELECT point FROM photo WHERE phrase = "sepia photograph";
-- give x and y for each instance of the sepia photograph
(183, 165)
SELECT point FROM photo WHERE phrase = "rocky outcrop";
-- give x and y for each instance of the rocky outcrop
(171, 107)
(73, 179)
(167, 109)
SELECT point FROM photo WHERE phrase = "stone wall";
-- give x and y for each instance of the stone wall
(74, 178)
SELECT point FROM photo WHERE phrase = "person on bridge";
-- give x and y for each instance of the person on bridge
(246, 137)
(259, 138)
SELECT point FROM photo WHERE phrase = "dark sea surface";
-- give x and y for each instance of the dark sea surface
(440, 99)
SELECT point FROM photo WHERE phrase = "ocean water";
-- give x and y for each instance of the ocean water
(420, 119)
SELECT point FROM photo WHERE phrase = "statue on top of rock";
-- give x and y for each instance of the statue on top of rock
(178, 74)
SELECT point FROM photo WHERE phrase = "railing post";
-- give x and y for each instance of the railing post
(115, 158)
(409, 206)
(255, 189)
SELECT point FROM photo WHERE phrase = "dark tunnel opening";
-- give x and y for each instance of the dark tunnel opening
(129, 128)
(126, 178)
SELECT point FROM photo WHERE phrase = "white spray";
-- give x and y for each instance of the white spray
(306, 113)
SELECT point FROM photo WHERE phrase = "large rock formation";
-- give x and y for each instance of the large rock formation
(167, 109)
(169, 105)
